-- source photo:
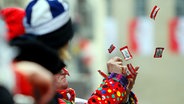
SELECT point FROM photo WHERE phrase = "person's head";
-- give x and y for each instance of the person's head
(29, 49)
(49, 21)
(60, 79)
(32, 61)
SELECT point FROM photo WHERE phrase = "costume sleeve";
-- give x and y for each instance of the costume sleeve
(66, 96)
(132, 99)
(111, 91)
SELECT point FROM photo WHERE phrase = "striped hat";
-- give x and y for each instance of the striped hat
(49, 21)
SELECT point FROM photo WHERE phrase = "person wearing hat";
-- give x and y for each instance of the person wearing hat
(54, 29)
(31, 50)
(33, 71)
(49, 22)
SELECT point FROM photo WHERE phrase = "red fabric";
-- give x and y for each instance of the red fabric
(60, 101)
(23, 86)
(132, 35)
(109, 92)
(173, 44)
(67, 94)
(14, 19)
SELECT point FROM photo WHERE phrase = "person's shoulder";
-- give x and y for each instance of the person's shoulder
(29, 68)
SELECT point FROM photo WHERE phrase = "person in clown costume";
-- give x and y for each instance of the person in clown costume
(49, 22)
(52, 26)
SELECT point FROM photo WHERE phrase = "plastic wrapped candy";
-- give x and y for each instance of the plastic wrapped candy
(158, 52)
(126, 53)
(154, 12)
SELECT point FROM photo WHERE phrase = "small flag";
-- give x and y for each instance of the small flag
(111, 48)
(141, 36)
(158, 52)
(154, 12)
(131, 72)
(126, 53)
(176, 37)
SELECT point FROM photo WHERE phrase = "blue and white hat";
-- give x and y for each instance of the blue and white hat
(49, 21)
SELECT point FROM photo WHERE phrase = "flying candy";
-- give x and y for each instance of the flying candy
(158, 52)
(111, 48)
(126, 53)
(154, 12)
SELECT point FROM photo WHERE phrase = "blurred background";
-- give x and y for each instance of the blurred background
(100, 23)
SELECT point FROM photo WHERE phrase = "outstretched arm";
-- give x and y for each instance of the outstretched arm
(116, 89)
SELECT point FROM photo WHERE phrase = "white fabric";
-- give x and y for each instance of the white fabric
(42, 21)
(80, 101)
(145, 36)
(55, 24)
(111, 33)
(23, 99)
(7, 78)
(37, 17)
(180, 35)
(65, 4)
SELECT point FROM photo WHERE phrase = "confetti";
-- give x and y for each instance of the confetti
(154, 12)
(103, 74)
(131, 72)
(111, 48)
(126, 53)
(158, 52)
